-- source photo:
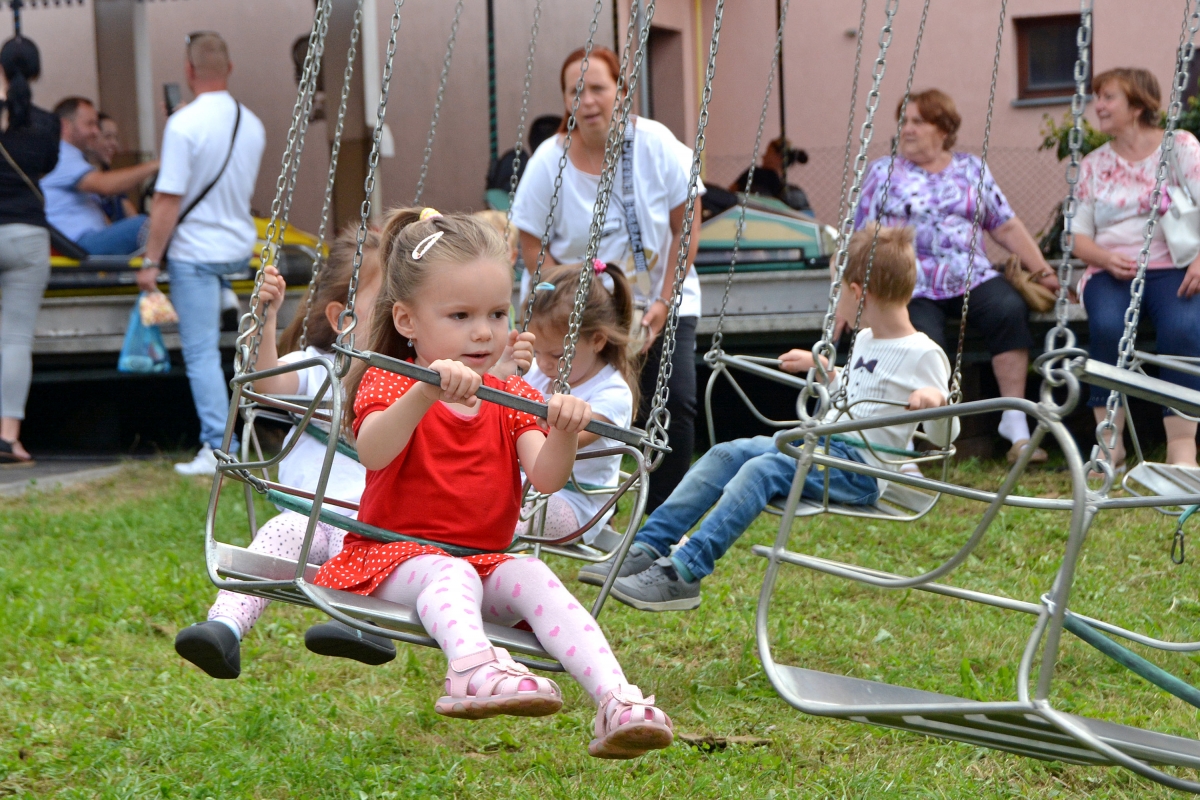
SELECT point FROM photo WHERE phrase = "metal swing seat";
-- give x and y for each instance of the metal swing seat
(1031, 725)
(897, 502)
(242, 570)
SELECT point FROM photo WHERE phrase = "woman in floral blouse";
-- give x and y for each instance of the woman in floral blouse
(935, 191)
(1115, 184)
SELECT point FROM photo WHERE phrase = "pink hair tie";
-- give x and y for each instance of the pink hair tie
(598, 265)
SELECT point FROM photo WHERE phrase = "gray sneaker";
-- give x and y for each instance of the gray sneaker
(636, 560)
(658, 588)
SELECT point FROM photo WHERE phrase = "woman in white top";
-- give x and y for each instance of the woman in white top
(1116, 181)
(641, 232)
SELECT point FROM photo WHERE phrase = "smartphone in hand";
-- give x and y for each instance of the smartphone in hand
(171, 97)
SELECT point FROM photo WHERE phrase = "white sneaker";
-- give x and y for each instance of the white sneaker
(205, 463)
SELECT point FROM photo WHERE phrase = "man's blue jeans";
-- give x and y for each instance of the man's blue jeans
(196, 295)
(740, 478)
(119, 239)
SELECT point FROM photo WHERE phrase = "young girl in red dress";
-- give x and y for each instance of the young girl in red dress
(444, 466)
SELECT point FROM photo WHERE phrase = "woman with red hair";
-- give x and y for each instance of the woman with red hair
(641, 231)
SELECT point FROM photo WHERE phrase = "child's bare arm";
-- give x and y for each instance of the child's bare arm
(271, 297)
(926, 397)
(549, 458)
(797, 361)
(383, 435)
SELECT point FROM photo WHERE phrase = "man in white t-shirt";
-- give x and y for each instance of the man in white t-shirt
(210, 157)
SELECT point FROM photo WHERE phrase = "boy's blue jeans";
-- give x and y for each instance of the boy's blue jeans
(740, 478)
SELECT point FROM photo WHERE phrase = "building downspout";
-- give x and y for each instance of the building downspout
(144, 83)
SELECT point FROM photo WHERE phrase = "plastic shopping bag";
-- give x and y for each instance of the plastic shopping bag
(156, 309)
(143, 350)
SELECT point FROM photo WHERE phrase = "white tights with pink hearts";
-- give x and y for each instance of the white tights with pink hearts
(451, 599)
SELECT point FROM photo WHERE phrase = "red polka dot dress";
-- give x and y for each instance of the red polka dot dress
(457, 481)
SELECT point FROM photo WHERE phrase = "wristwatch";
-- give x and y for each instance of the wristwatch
(666, 303)
(148, 263)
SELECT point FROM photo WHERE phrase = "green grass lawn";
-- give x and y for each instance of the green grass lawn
(95, 703)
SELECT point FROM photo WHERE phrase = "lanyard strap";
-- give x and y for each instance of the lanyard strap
(629, 204)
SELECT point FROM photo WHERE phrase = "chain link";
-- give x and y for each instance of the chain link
(824, 350)
(348, 320)
(250, 326)
(1106, 431)
(597, 8)
(617, 123)
(515, 178)
(437, 103)
(659, 422)
(843, 388)
(858, 43)
(977, 221)
(1061, 335)
(335, 151)
(718, 336)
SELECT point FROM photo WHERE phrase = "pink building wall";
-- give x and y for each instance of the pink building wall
(956, 56)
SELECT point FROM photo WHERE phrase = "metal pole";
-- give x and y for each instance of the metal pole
(782, 93)
(643, 77)
(16, 9)
(493, 132)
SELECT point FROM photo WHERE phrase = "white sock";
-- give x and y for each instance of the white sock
(1014, 426)
(231, 624)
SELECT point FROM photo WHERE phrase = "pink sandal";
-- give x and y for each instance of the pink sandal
(632, 727)
(500, 692)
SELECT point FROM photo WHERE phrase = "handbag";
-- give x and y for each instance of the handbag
(143, 350)
(1181, 221)
(1036, 296)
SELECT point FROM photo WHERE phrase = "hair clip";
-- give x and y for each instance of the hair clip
(429, 213)
(544, 286)
(423, 246)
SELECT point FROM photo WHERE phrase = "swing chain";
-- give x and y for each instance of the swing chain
(660, 417)
(348, 320)
(518, 149)
(1106, 431)
(1177, 544)
(977, 220)
(858, 43)
(618, 121)
(843, 386)
(825, 351)
(597, 8)
(336, 148)
(437, 103)
(718, 336)
(1061, 332)
(250, 326)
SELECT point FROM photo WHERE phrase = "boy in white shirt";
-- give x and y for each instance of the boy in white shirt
(891, 360)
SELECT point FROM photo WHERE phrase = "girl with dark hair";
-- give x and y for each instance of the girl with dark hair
(28, 150)
(641, 233)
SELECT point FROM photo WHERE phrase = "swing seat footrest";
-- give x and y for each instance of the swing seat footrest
(238, 563)
(1012, 727)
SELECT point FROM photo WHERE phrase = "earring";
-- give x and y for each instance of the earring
(410, 344)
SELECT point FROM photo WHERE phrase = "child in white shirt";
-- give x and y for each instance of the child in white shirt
(891, 360)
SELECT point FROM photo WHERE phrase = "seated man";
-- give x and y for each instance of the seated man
(891, 361)
(71, 189)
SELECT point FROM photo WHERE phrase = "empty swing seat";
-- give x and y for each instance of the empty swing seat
(1013, 727)
(1163, 480)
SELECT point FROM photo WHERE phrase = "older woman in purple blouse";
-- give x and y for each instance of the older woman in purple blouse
(935, 191)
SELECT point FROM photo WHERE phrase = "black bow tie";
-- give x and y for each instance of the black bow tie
(868, 365)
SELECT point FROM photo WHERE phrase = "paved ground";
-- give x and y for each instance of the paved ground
(54, 471)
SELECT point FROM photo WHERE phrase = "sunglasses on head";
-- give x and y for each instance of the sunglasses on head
(191, 37)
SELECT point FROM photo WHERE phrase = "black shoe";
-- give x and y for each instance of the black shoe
(341, 641)
(212, 647)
